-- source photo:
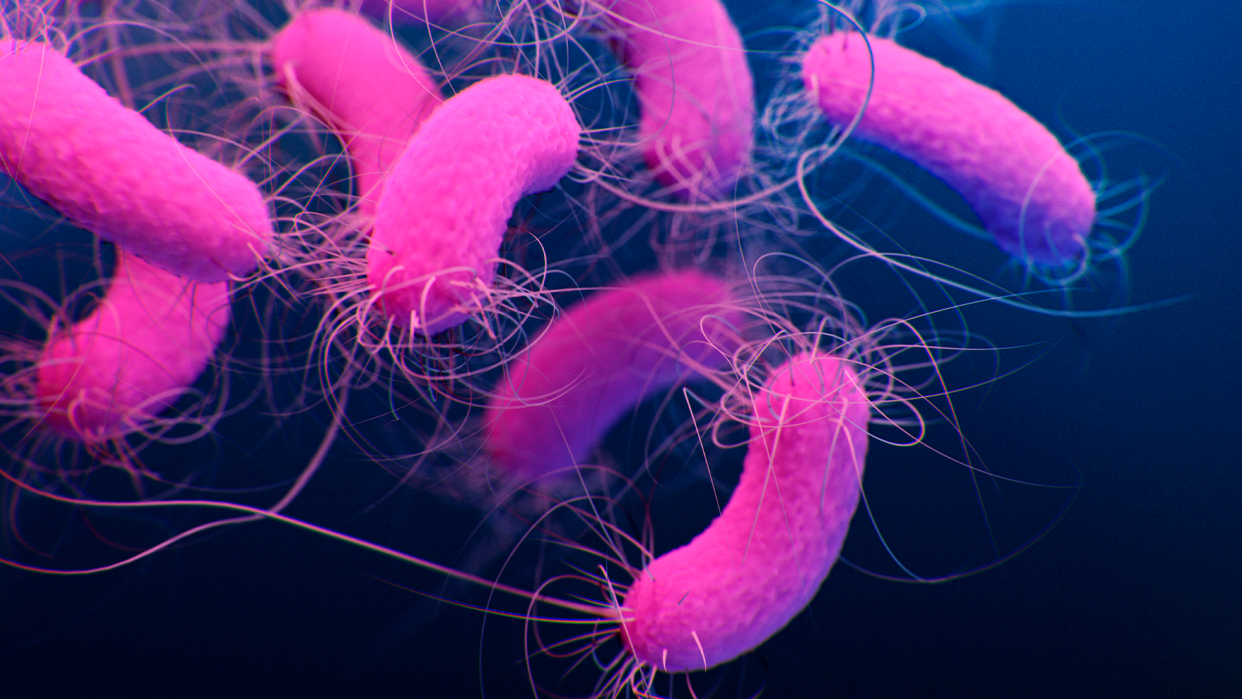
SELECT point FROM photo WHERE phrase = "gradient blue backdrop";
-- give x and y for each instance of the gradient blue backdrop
(1134, 593)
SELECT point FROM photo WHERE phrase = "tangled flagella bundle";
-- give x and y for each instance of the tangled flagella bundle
(553, 263)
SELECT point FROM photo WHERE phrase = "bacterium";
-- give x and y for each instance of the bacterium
(559, 269)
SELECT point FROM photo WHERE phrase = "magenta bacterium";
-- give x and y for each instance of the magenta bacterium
(694, 84)
(598, 361)
(143, 345)
(110, 171)
(763, 559)
(438, 181)
(443, 211)
(369, 89)
(1029, 192)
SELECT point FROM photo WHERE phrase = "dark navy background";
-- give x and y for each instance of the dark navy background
(1134, 592)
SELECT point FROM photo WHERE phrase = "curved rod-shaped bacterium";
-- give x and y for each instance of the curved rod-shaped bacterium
(695, 88)
(362, 82)
(444, 209)
(603, 357)
(109, 170)
(139, 349)
(759, 563)
(1029, 192)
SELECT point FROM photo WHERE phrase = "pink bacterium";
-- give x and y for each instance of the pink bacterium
(441, 192)
(603, 357)
(695, 87)
(109, 170)
(146, 342)
(1029, 192)
(759, 563)
(369, 89)
(443, 212)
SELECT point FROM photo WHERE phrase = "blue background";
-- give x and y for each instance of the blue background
(1134, 592)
